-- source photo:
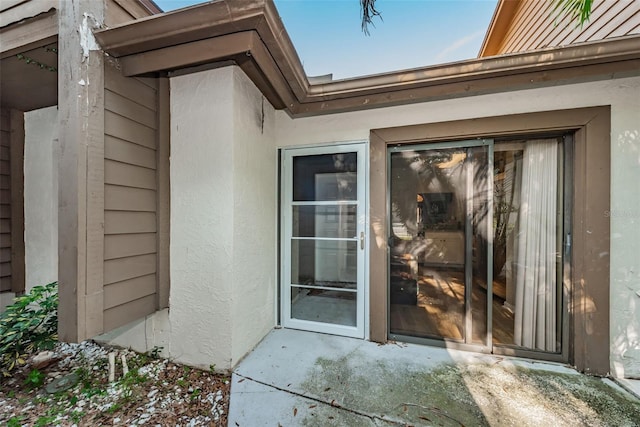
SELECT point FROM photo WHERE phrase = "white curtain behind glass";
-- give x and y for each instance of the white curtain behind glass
(535, 305)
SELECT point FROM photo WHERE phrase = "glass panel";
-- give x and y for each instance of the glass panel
(325, 177)
(320, 305)
(527, 245)
(478, 166)
(324, 221)
(324, 263)
(428, 214)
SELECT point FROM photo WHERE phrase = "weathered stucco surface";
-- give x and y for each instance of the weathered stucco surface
(41, 196)
(254, 206)
(40, 200)
(625, 234)
(223, 215)
(202, 222)
(223, 219)
(624, 97)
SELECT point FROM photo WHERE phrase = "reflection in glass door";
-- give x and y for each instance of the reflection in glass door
(478, 248)
(323, 224)
(440, 216)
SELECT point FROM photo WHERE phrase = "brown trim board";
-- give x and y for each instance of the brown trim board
(244, 48)
(23, 36)
(26, 10)
(81, 178)
(589, 305)
(188, 37)
(163, 210)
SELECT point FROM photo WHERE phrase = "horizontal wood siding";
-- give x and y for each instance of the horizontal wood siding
(536, 25)
(5, 205)
(131, 200)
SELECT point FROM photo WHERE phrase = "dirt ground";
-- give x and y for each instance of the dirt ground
(154, 392)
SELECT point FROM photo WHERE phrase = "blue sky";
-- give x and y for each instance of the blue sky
(413, 33)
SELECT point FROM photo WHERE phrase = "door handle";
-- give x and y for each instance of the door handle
(362, 240)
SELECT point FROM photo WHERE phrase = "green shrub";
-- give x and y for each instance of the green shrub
(35, 379)
(28, 325)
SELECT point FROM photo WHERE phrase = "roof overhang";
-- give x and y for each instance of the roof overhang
(251, 35)
(28, 34)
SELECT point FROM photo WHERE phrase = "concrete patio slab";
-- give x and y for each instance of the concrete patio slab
(296, 378)
(632, 386)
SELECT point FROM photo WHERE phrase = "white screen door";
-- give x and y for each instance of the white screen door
(323, 239)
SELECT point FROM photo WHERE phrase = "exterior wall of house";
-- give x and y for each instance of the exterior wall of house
(223, 214)
(624, 97)
(5, 211)
(12, 274)
(41, 197)
(40, 202)
(535, 25)
(224, 195)
(130, 198)
(254, 205)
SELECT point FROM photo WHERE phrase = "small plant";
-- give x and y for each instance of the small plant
(155, 352)
(76, 416)
(45, 421)
(134, 377)
(35, 379)
(195, 394)
(28, 325)
(15, 421)
(114, 408)
(89, 385)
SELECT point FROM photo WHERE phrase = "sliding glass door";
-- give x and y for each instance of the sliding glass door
(530, 247)
(440, 211)
(476, 244)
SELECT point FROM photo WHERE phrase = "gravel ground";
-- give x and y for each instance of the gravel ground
(154, 392)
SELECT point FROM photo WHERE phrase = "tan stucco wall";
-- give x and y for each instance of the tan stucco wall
(40, 200)
(222, 255)
(41, 196)
(254, 205)
(223, 205)
(624, 97)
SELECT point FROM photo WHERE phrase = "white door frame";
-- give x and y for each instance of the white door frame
(362, 316)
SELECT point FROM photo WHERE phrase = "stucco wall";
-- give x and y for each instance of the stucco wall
(254, 205)
(41, 196)
(40, 200)
(223, 238)
(222, 255)
(202, 189)
(624, 97)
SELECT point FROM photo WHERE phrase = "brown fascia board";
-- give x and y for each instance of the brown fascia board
(244, 49)
(211, 21)
(479, 86)
(276, 39)
(502, 17)
(182, 26)
(252, 35)
(583, 54)
(151, 6)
